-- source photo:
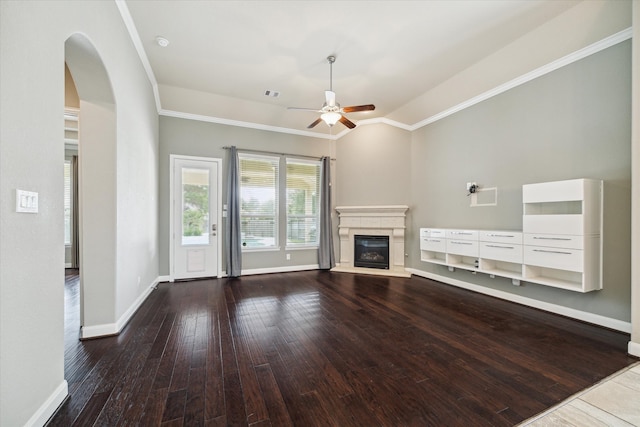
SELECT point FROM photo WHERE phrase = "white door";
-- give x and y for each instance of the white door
(195, 219)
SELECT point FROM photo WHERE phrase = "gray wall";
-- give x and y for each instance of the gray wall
(373, 167)
(572, 123)
(196, 138)
(32, 57)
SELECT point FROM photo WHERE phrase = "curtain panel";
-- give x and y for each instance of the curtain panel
(326, 257)
(232, 240)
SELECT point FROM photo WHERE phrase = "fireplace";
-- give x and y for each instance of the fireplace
(371, 251)
(372, 223)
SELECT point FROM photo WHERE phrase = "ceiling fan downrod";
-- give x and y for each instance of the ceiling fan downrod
(331, 59)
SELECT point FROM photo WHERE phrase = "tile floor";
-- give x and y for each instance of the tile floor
(613, 402)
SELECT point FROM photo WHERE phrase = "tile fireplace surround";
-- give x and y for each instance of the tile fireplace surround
(372, 221)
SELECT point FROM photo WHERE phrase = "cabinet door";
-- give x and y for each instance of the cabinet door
(554, 240)
(553, 224)
(462, 234)
(433, 232)
(510, 237)
(501, 252)
(558, 258)
(462, 247)
(433, 244)
(557, 191)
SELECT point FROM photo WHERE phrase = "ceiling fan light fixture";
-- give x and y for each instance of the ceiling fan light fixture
(330, 118)
(331, 112)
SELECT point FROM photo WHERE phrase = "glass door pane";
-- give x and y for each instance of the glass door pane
(195, 206)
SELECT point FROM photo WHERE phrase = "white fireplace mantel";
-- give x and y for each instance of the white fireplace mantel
(374, 221)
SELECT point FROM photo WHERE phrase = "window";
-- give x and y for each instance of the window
(67, 203)
(259, 201)
(303, 200)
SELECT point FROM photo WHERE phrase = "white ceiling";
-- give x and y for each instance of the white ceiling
(388, 52)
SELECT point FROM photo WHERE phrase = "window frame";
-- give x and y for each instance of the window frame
(304, 245)
(276, 216)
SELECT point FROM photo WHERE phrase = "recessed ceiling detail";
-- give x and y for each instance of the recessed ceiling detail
(162, 42)
(413, 62)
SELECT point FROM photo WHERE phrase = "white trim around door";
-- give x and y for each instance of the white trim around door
(216, 214)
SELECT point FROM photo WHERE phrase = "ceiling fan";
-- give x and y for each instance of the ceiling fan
(331, 112)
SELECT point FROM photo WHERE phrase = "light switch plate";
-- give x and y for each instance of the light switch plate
(26, 201)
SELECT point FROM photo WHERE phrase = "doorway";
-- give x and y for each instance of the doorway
(195, 217)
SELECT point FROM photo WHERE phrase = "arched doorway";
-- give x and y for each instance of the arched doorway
(96, 184)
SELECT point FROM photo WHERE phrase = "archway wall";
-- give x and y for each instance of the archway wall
(32, 55)
(97, 183)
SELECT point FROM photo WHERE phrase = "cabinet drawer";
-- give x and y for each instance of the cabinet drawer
(462, 234)
(512, 237)
(501, 252)
(462, 247)
(433, 232)
(553, 224)
(558, 191)
(433, 244)
(554, 240)
(558, 258)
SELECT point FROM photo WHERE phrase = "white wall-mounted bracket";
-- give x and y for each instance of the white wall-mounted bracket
(484, 197)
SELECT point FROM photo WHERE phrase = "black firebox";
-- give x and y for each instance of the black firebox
(371, 251)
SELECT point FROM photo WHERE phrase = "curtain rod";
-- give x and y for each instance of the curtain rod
(247, 150)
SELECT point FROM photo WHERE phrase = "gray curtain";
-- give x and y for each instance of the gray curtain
(326, 258)
(232, 239)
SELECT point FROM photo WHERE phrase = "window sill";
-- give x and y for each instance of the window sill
(249, 250)
(302, 248)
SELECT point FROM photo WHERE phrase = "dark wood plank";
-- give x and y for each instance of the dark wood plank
(320, 348)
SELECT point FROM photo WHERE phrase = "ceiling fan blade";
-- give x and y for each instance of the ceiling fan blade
(348, 123)
(353, 109)
(318, 120)
(330, 97)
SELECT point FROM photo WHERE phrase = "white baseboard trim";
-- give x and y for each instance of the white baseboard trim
(127, 315)
(634, 349)
(98, 331)
(584, 316)
(106, 329)
(67, 265)
(161, 279)
(50, 406)
(286, 269)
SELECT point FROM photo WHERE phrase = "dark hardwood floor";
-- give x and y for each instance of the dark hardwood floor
(329, 349)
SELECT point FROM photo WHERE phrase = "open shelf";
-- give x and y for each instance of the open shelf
(464, 262)
(564, 279)
(501, 268)
(433, 257)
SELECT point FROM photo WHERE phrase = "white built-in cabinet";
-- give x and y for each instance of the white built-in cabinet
(560, 244)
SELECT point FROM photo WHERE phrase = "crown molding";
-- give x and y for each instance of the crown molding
(239, 123)
(596, 47)
(386, 121)
(137, 43)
